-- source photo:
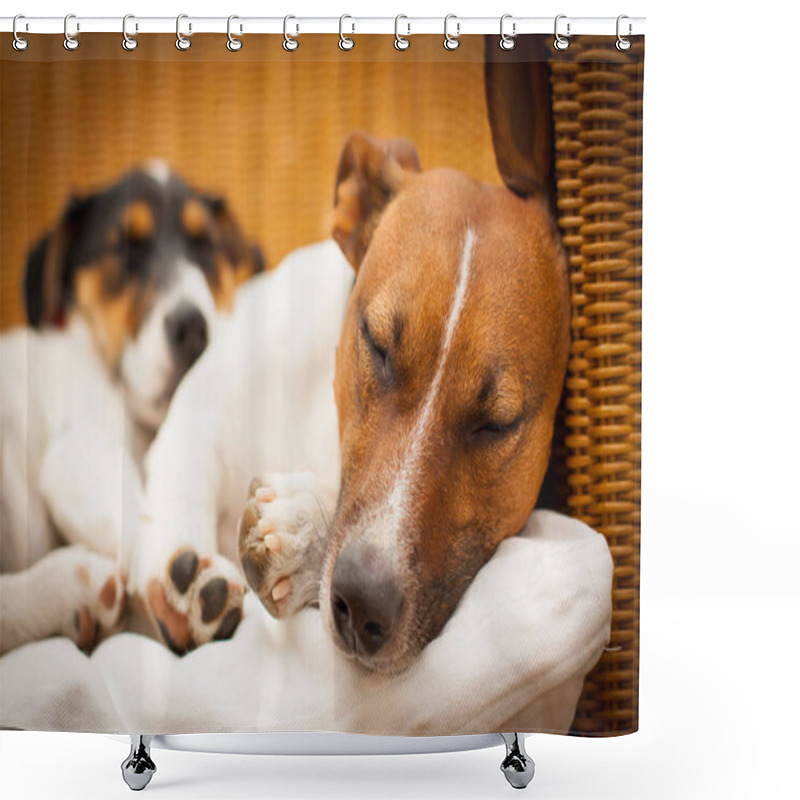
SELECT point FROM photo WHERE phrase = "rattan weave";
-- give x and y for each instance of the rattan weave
(597, 111)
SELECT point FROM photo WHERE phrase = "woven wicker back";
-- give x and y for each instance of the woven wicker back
(597, 110)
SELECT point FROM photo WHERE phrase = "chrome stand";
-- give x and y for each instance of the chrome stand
(517, 766)
(138, 768)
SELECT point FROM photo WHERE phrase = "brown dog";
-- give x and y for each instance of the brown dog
(448, 374)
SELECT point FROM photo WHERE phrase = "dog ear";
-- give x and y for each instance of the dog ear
(48, 273)
(245, 258)
(520, 116)
(370, 173)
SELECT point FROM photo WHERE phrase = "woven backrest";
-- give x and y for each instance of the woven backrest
(597, 115)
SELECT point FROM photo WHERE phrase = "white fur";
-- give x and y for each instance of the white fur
(158, 170)
(146, 364)
(390, 520)
(260, 400)
(59, 412)
(42, 601)
(71, 450)
(69, 474)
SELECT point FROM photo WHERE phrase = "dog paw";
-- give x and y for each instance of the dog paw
(283, 534)
(197, 600)
(98, 600)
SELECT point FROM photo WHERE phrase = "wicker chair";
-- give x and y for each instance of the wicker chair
(265, 127)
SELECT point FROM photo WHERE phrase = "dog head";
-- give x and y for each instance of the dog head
(449, 371)
(149, 263)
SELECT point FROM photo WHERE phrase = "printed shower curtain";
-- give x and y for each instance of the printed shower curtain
(320, 386)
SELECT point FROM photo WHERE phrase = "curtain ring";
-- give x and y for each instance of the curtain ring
(70, 42)
(19, 43)
(561, 42)
(182, 43)
(622, 43)
(507, 42)
(451, 42)
(233, 44)
(345, 42)
(128, 42)
(400, 42)
(290, 44)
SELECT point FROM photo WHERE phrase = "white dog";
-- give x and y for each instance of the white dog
(126, 290)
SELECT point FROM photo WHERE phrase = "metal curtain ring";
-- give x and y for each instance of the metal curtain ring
(400, 42)
(451, 42)
(19, 43)
(233, 44)
(622, 43)
(507, 42)
(70, 42)
(345, 42)
(290, 44)
(182, 43)
(128, 42)
(561, 42)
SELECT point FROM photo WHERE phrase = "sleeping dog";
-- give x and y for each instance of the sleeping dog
(124, 294)
(395, 392)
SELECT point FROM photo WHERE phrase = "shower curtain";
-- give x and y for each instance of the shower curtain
(321, 385)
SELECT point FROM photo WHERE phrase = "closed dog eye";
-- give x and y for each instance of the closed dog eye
(490, 431)
(133, 253)
(379, 354)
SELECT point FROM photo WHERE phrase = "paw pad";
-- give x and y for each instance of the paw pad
(212, 598)
(183, 569)
(86, 629)
(200, 600)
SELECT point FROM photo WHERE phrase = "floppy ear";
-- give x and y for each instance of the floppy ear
(246, 259)
(49, 269)
(370, 173)
(518, 99)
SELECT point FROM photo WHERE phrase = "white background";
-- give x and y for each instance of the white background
(720, 703)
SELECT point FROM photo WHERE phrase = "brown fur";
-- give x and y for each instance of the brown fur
(506, 365)
(107, 311)
(195, 218)
(108, 594)
(228, 279)
(138, 221)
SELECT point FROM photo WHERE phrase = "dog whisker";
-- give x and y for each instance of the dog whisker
(309, 594)
(324, 516)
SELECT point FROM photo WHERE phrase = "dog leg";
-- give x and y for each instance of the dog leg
(193, 594)
(93, 492)
(70, 592)
(283, 536)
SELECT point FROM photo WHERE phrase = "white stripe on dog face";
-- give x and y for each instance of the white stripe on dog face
(158, 171)
(147, 362)
(390, 519)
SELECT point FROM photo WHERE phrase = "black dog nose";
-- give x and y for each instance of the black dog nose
(187, 334)
(366, 600)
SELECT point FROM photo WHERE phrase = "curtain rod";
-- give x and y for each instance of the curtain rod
(297, 26)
